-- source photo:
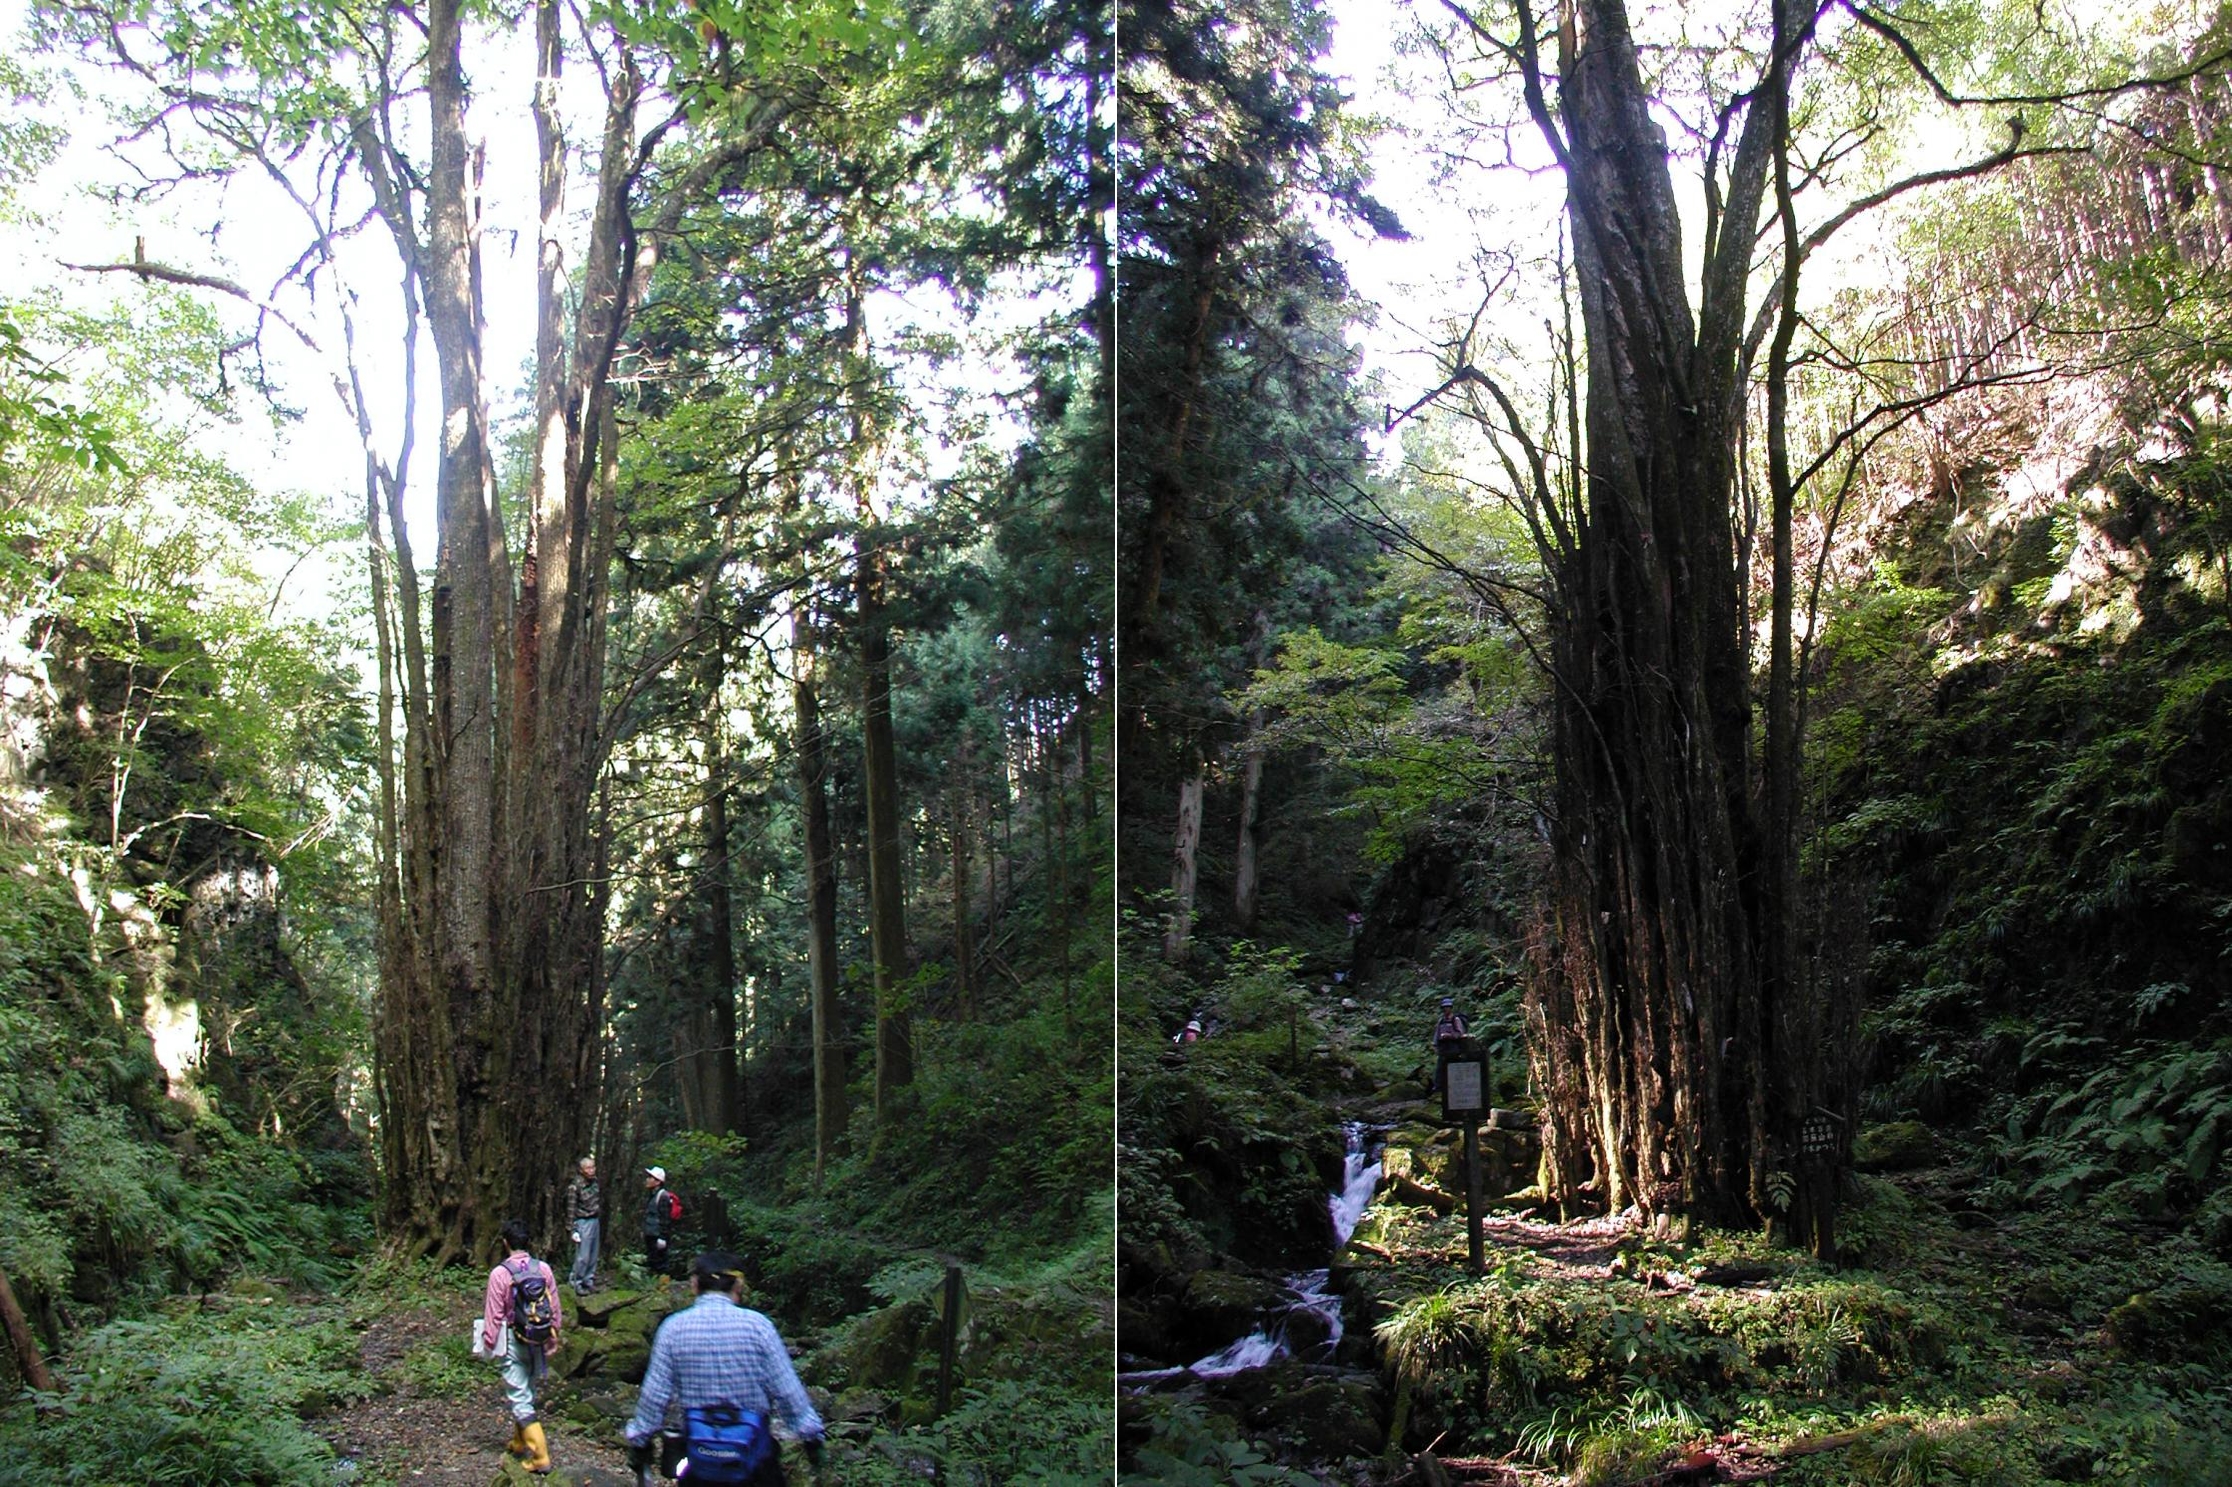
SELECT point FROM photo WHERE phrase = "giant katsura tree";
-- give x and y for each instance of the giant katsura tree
(1683, 1040)
(497, 897)
(492, 679)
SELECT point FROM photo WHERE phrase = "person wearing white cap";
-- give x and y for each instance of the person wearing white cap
(658, 1220)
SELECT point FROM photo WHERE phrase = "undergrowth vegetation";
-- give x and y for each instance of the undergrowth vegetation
(192, 1395)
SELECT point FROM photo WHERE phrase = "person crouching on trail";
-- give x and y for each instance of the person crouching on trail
(523, 1296)
(585, 1211)
(659, 1216)
(722, 1368)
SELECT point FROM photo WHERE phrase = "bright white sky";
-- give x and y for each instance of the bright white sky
(1463, 212)
(249, 233)
(1420, 284)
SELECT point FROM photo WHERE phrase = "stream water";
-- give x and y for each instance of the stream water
(1307, 1292)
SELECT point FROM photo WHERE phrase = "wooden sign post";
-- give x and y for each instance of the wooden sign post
(950, 1306)
(1464, 1086)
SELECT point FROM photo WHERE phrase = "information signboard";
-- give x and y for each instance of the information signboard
(1464, 1088)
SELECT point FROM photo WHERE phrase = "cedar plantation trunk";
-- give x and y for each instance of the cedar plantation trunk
(821, 897)
(887, 916)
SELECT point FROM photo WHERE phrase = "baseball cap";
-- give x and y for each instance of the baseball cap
(719, 1266)
(658, 1172)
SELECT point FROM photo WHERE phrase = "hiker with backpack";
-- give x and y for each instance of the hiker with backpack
(723, 1369)
(520, 1323)
(1448, 1039)
(660, 1216)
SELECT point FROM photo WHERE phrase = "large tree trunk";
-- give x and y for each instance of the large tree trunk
(716, 927)
(1185, 865)
(30, 1362)
(964, 967)
(1244, 871)
(821, 898)
(1655, 996)
(1251, 790)
(1057, 758)
(887, 915)
(469, 1176)
(490, 914)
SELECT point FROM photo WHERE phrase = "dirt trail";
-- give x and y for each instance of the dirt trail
(447, 1439)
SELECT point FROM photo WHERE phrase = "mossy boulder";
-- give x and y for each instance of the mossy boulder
(601, 1406)
(1898, 1146)
(612, 1341)
(1316, 1413)
(598, 1308)
(1433, 1157)
(1426, 1154)
(1144, 1334)
(1014, 1332)
(892, 1351)
(1217, 1306)
(1307, 1333)
(2187, 1318)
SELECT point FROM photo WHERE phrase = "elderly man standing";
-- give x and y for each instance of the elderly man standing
(585, 1211)
(723, 1369)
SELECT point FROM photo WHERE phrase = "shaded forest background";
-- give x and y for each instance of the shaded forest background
(828, 529)
(2011, 609)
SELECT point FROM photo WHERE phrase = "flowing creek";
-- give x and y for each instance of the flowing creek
(1308, 1293)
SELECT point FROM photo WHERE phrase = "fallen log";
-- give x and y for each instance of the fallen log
(1410, 1190)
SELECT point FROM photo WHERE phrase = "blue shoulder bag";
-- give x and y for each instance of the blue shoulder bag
(725, 1443)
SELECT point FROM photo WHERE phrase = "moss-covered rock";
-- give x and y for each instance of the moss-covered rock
(1220, 1305)
(1014, 1332)
(883, 1350)
(1318, 1414)
(1427, 1154)
(1899, 1146)
(2186, 1318)
(598, 1308)
(1144, 1334)
(612, 1343)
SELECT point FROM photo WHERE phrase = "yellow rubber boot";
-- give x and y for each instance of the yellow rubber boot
(518, 1446)
(538, 1449)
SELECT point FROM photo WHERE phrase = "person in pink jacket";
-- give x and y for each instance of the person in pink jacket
(523, 1296)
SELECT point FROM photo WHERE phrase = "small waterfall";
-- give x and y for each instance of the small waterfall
(1309, 1291)
(1360, 1179)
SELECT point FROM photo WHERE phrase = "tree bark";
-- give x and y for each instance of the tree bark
(30, 1362)
(1184, 870)
(1251, 786)
(718, 910)
(887, 916)
(492, 928)
(1654, 991)
(821, 897)
(958, 815)
(470, 1176)
(1244, 863)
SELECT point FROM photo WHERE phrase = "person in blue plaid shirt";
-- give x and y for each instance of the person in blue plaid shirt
(720, 1351)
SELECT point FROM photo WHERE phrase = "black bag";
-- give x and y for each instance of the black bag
(533, 1316)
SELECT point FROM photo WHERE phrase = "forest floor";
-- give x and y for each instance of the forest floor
(1961, 1345)
(434, 1430)
(1970, 1333)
